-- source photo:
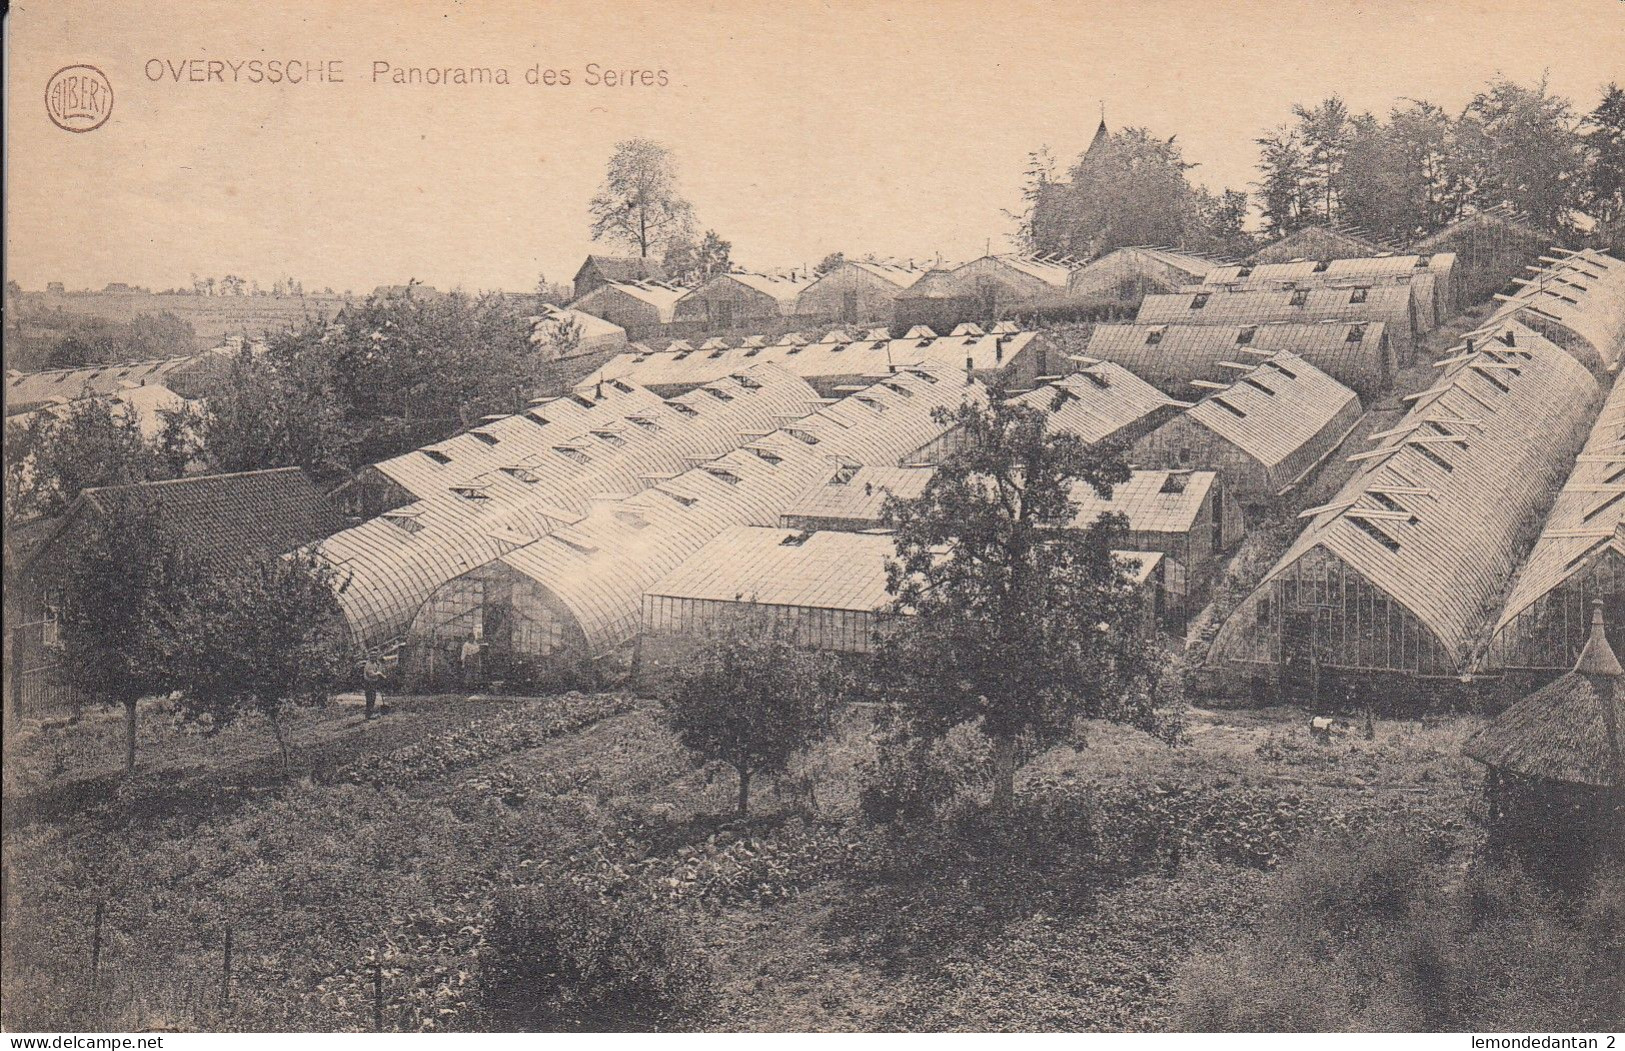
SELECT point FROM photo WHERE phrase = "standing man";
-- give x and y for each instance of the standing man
(372, 677)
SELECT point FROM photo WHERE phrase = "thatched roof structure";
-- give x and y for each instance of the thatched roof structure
(1569, 730)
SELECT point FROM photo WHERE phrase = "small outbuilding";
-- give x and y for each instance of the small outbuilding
(1174, 357)
(641, 308)
(1491, 247)
(1392, 305)
(602, 269)
(1556, 783)
(1320, 242)
(1125, 275)
(1185, 515)
(858, 291)
(736, 300)
(1264, 432)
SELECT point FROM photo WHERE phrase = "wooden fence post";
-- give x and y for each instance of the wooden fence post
(225, 976)
(96, 949)
(377, 996)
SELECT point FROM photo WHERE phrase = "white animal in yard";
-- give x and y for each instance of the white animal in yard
(1325, 726)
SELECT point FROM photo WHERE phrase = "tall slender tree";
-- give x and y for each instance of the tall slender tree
(639, 205)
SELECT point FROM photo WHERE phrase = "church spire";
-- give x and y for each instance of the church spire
(1101, 134)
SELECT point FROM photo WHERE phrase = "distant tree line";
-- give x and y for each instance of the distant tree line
(1399, 178)
(60, 340)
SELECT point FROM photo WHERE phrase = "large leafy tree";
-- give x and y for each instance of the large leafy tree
(1518, 145)
(1603, 198)
(751, 698)
(266, 638)
(1283, 173)
(1324, 131)
(126, 604)
(692, 264)
(54, 455)
(639, 205)
(385, 375)
(1010, 613)
(1129, 189)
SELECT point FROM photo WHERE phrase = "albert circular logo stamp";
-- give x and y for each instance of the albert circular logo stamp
(78, 98)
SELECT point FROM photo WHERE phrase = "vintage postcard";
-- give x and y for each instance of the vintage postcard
(885, 516)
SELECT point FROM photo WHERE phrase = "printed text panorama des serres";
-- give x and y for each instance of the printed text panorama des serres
(333, 71)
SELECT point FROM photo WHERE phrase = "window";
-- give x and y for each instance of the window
(1282, 369)
(843, 474)
(719, 394)
(1254, 383)
(1300, 297)
(1153, 337)
(1199, 300)
(524, 474)
(610, 437)
(536, 417)
(722, 475)
(722, 312)
(1227, 407)
(1245, 271)
(1261, 613)
(437, 456)
(1358, 295)
(1184, 454)
(488, 439)
(405, 522)
(1371, 530)
(1322, 266)
(1429, 454)
(1245, 336)
(572, 452)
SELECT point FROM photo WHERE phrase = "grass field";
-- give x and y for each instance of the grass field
(390, 838)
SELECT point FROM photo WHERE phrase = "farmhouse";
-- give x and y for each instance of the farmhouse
(219, 520)
(858, 291)
(1127, 274)
(853, 498)
(1578, 302)
(1173, 357)
(1579, 558)
(1434, 275)
(1320, 242)
(1392, 305)
(544, 471)
(840, 360)
(1392, 577)
(1491, 247)
(569, 604)
(641, 308)
(602, 269)
(1185, 515)
(739, 300)
(1264, 432)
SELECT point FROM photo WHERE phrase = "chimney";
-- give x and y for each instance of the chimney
(970, 369)
(1509, 339)
(1597, 658)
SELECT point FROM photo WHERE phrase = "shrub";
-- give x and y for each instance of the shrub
(1381, 936)
(560, 958)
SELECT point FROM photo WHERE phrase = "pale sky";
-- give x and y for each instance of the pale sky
(799, 127)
